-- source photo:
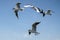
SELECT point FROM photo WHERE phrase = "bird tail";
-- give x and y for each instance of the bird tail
(37, 33)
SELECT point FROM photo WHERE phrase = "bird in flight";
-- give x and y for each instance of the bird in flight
(35, 8)
(34, 27)
(17, 8)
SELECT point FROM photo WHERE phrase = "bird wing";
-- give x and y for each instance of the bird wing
(18, 5)
(36, 9)
(34, 26)
(33, 7)
(16, 13)
(28, 5)
(48, 12)
(39, 10)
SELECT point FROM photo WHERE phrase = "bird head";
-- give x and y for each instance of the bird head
(29, 31)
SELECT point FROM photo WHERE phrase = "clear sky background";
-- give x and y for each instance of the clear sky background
(13, 29)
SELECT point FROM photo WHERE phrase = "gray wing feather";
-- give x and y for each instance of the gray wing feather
(34, 26)
(48, 12)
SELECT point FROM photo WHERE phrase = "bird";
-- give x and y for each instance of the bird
(34, 27)
(35, 8)
(17, 8)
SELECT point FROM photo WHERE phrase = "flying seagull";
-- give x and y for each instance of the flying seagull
(34, 27)
(17, 8)
(35, 8)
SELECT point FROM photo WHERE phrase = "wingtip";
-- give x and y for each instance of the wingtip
(18, 3)
(36, 33)
(29, 32)
(17, 17)
(43, 14)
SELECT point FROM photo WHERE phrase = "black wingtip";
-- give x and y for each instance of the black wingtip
(29, 33)
(17, 16)
(18, 3)
(43, 14)
(36, 23)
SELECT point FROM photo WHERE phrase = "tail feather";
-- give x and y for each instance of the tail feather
(37, 33)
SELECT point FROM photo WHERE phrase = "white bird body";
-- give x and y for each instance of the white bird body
(16, 8)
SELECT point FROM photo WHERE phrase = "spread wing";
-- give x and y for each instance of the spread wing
(34, 25)
(33, 7)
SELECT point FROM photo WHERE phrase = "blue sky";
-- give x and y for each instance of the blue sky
(13, 29)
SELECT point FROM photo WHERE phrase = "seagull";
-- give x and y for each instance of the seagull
(17, 8)
(34, 26)
(35, 8)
